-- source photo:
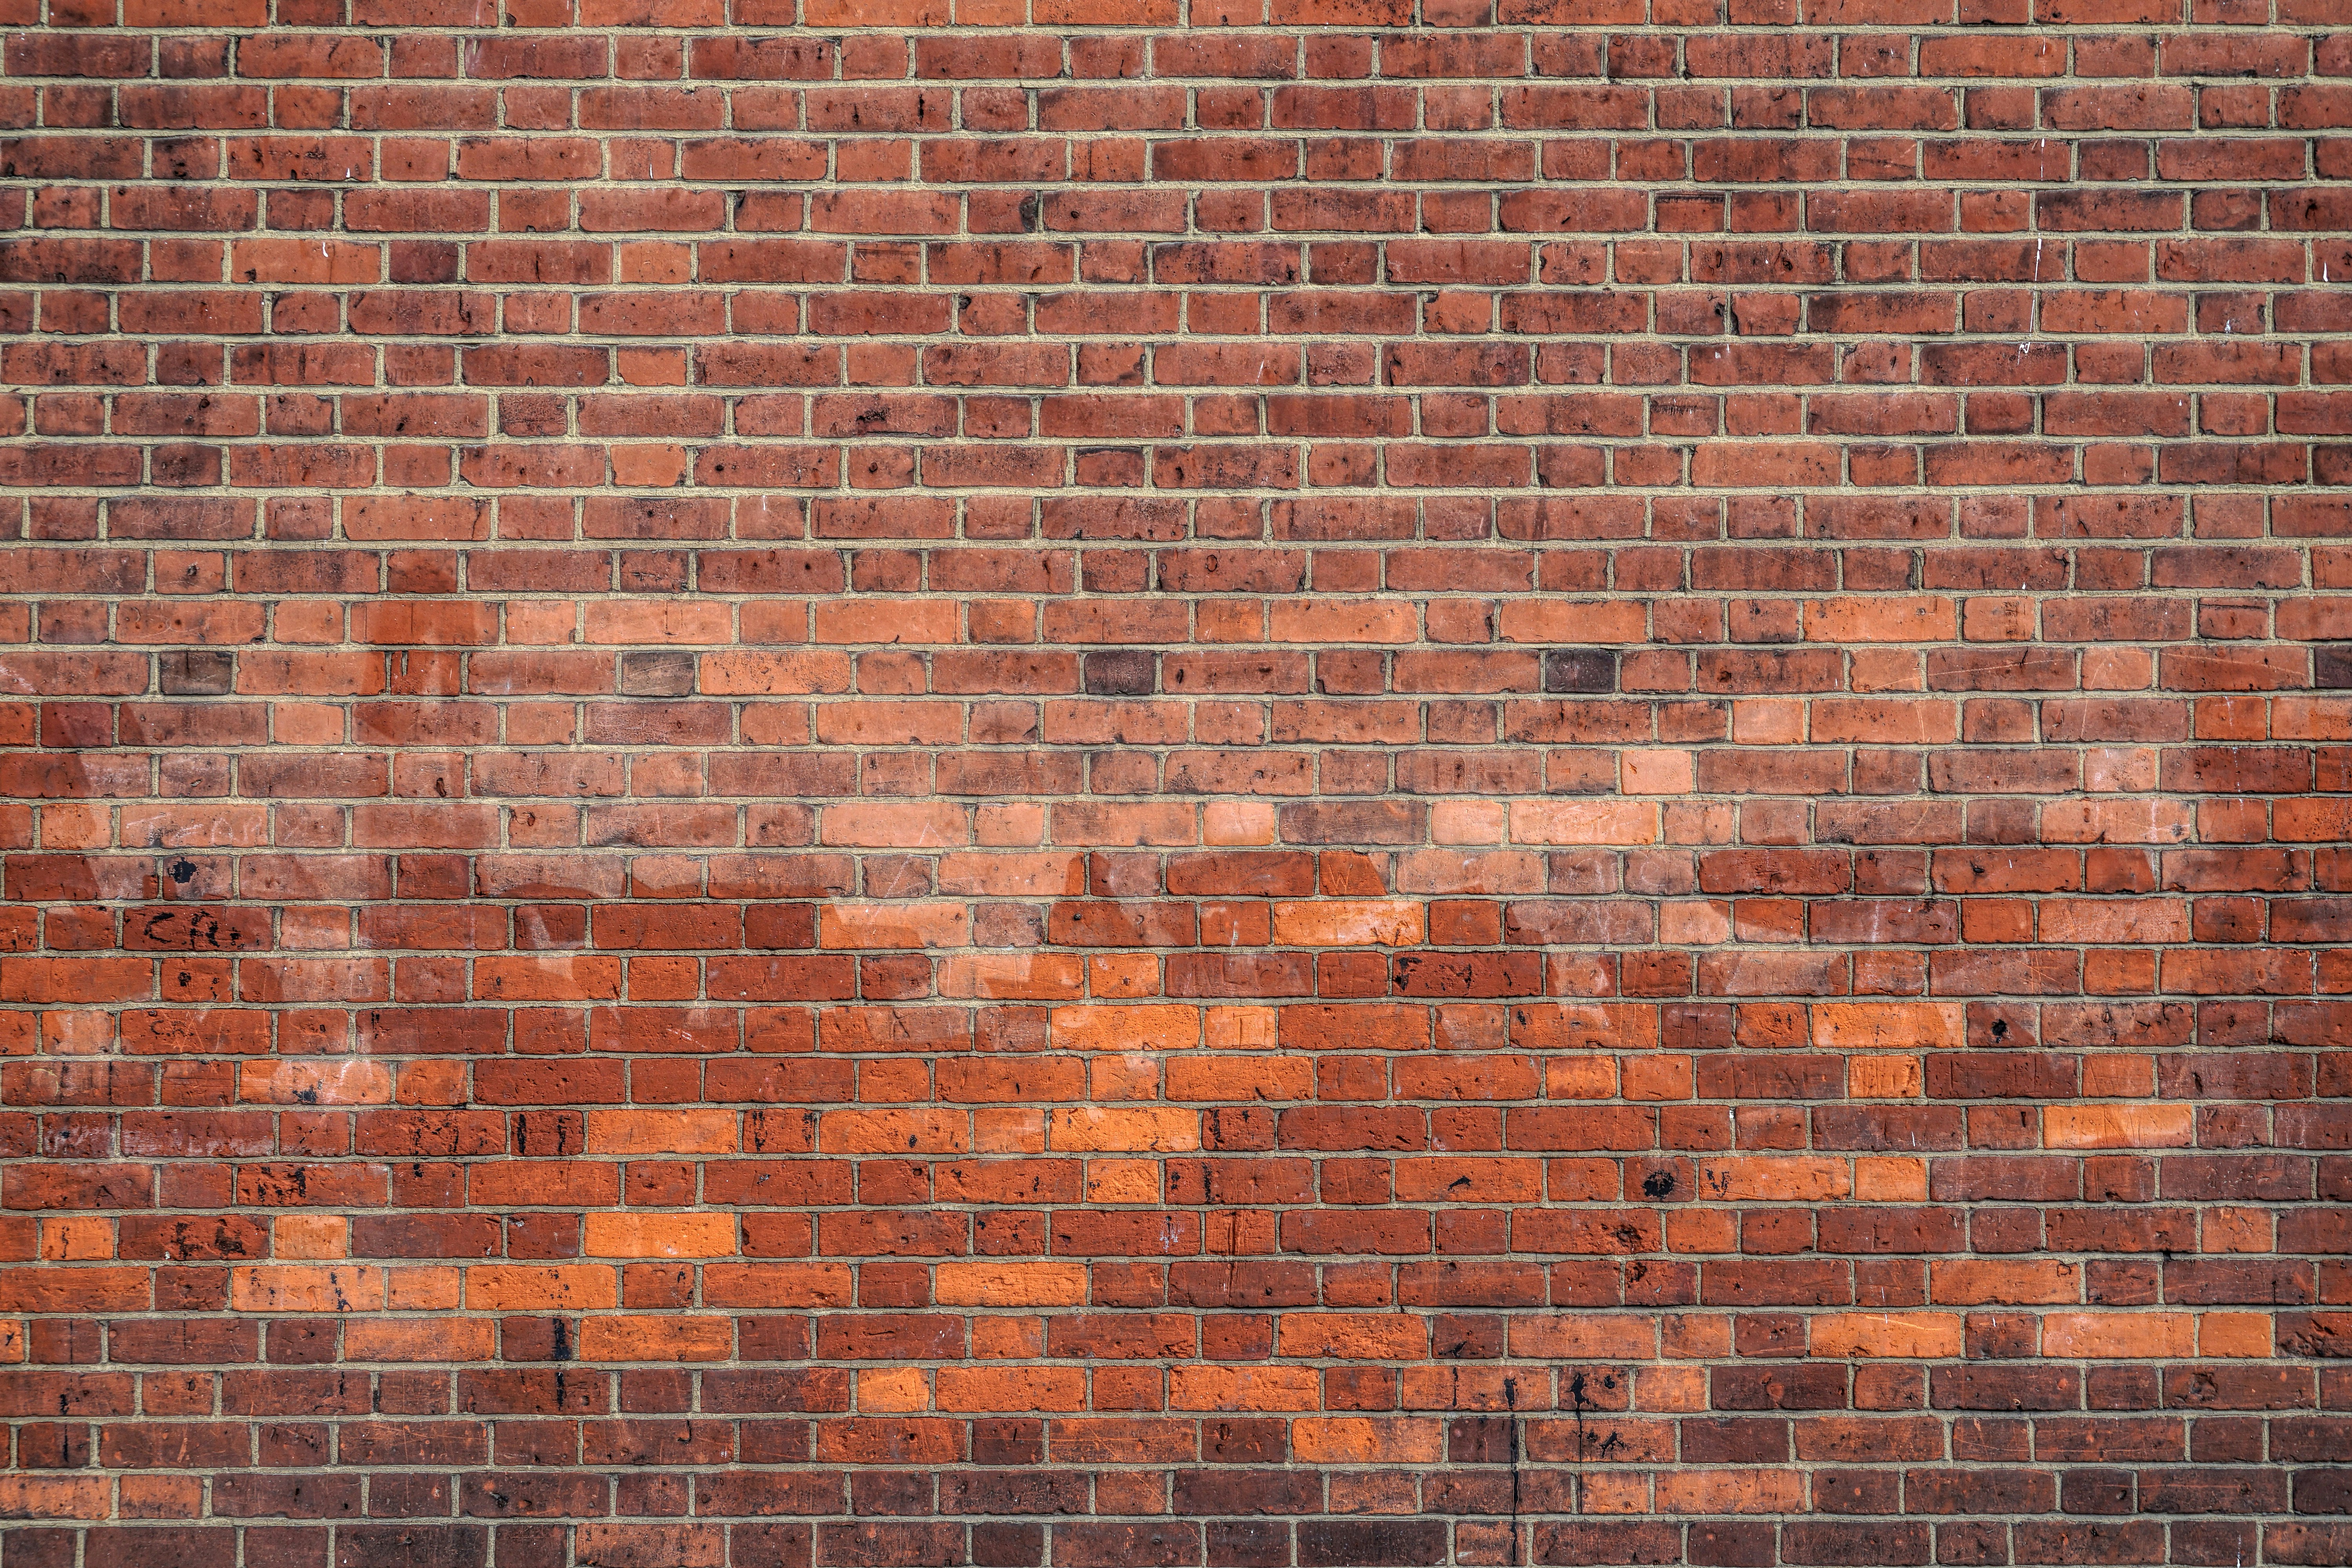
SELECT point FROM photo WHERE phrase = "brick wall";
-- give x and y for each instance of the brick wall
(1091, 782)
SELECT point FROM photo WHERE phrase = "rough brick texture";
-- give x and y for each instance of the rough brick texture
(1165, 782)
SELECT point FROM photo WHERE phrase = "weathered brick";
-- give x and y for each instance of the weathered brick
(999, 780)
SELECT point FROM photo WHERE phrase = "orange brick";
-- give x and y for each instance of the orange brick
(641, 1234)
(1141, 1028)
(661, 1131)
(337, 1287)
(1011, 1388)
(1244, 1388)
(1029, 1282)
(2112, 1335)
(1344, 922)
(524, 1288)
(1930, 1335)
(1097, 1128)
(640, 1338)
(1888, 1025)
(2117, 1126)
(1366, 1440)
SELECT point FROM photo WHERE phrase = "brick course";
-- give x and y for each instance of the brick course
(1175, 781)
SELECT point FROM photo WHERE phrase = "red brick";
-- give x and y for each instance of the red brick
(1187, 769)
